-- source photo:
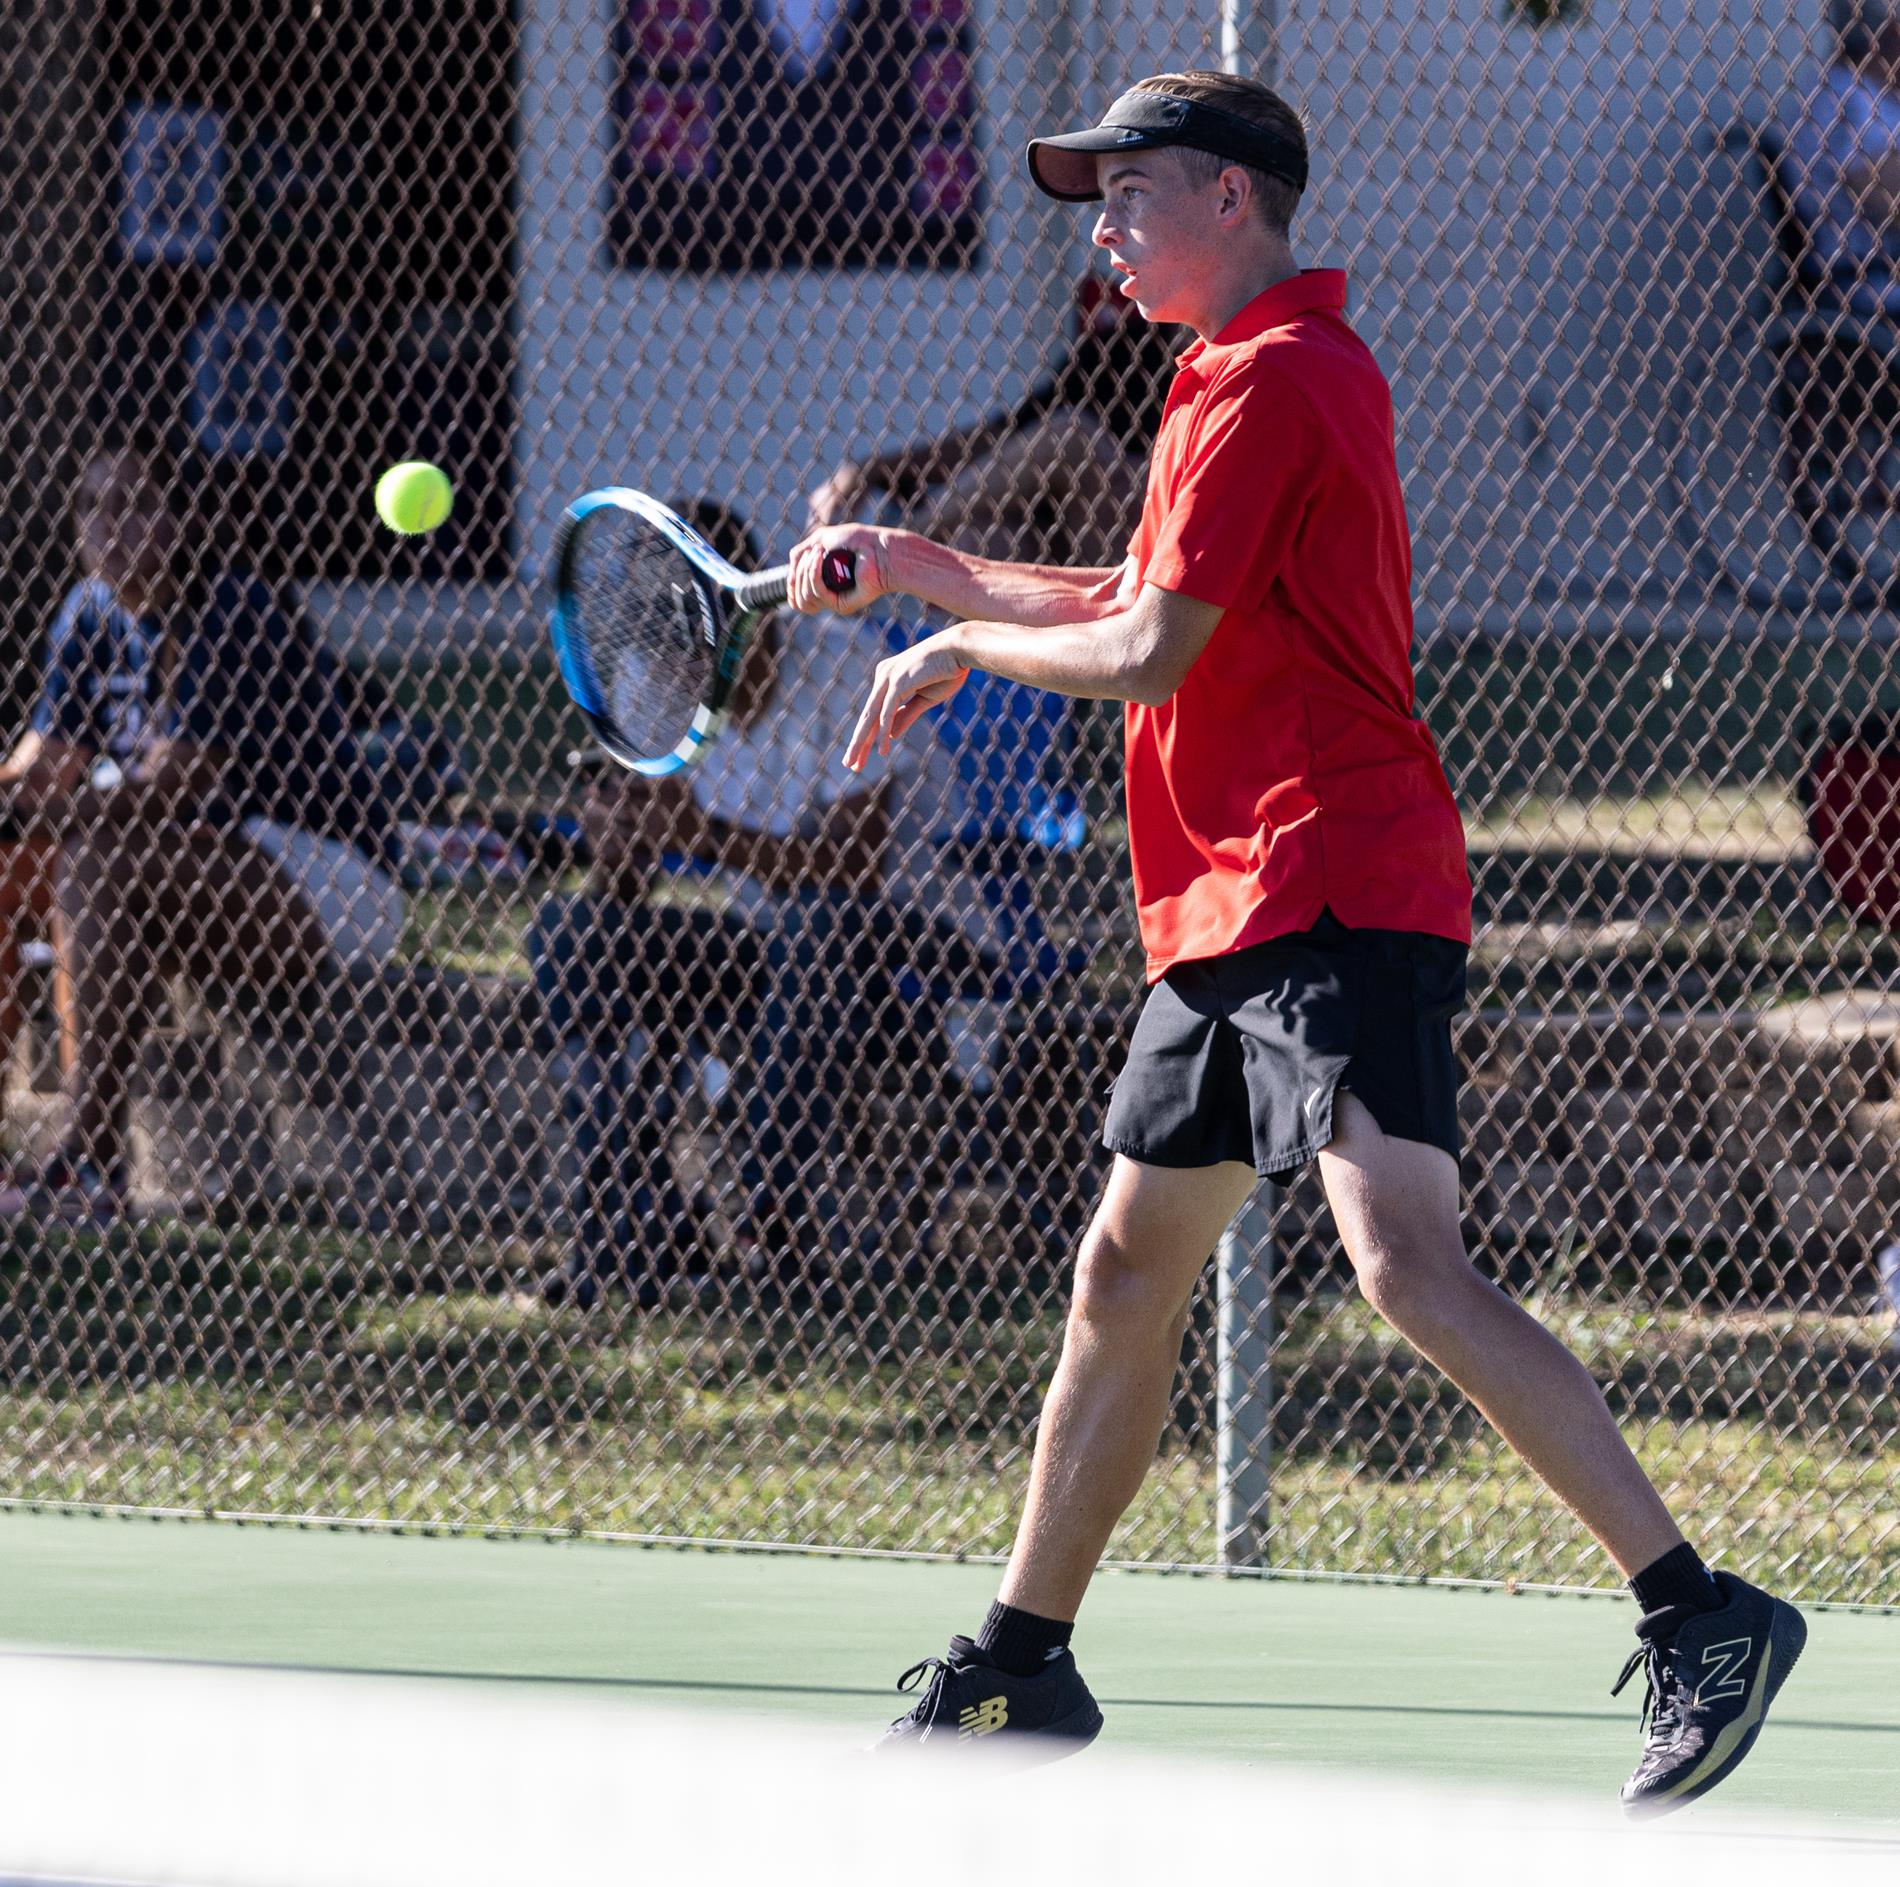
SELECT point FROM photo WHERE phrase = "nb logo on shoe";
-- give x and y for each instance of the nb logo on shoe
(1729, 1658)
(983, 1719)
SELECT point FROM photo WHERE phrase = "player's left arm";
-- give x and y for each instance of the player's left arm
(1142, 652)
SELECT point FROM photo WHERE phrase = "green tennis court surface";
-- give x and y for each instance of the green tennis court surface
(1474, 1686)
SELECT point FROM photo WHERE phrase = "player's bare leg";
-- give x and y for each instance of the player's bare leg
(1095, 1443)
(1101, 1424)
(1396, 1205)
(1713, 1663)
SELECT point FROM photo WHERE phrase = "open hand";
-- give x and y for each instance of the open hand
(906, 687)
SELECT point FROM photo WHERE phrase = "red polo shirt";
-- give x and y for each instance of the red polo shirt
(1288, 772)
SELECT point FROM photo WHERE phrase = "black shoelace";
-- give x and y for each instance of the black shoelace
(914, 1676)
(1661, 1687)
(921, 1712)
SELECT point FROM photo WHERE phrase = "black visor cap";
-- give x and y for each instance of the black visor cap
(1152, 121)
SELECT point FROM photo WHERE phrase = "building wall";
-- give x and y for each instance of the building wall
(752, 387)
(1543, 245)
(1544, 237)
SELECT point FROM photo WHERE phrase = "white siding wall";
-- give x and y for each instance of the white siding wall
(1535, 230)
(750, 387)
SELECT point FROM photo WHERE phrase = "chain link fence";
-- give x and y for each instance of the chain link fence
(415, 1127)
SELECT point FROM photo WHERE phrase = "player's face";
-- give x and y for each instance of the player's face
(1160, 230)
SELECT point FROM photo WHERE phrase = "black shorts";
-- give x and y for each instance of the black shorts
(1239, 1057)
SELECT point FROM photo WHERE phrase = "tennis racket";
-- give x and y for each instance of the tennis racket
(650, 624)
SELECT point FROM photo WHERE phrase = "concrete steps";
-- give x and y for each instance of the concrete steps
(424, 1099)
(1775, 1129)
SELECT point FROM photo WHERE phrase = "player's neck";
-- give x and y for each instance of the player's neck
(1251, 279)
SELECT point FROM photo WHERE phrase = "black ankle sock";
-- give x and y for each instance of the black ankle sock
(1677, 1582)
(1019, 1642)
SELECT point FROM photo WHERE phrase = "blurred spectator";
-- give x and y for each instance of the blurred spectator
(841, 930)
(188, 792)
(1057, 478)
(631, 987)
(1841, 172)
(1844, 159)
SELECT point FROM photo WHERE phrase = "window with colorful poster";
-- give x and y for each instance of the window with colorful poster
(768, 134)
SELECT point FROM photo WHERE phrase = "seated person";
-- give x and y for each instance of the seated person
(189, 790)
(631, 985)
(1058, 477)
(836, 921)
(1842, 171)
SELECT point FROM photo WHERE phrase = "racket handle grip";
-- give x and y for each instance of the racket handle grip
(769, 588)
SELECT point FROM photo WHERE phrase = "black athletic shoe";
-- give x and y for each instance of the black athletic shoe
(1710, 1685)
(1034, 1719)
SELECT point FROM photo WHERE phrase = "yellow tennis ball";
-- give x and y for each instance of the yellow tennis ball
(414, 497)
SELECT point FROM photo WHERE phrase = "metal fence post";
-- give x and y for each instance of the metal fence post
(1247, 37)
(1244, 1391)
(1244, 1384)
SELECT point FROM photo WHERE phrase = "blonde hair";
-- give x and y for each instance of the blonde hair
(1258, 104)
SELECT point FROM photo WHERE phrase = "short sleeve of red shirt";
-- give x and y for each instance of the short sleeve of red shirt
(1250, 469)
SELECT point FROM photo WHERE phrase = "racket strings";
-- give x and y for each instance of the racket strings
(647, 631)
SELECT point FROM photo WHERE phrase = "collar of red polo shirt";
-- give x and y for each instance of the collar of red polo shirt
(1322, 289)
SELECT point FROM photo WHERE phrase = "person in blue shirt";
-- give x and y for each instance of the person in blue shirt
(1838, 396)
(190, 777)
(1843, 145)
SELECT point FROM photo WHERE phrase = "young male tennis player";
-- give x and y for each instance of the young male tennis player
(1300, 876)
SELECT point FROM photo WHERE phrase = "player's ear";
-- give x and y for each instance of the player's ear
(1236, 194)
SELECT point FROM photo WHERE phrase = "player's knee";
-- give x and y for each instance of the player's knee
(1413, 1283)
(1115, 1284)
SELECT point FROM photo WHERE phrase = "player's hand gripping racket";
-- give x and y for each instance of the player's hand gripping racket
(650, 624)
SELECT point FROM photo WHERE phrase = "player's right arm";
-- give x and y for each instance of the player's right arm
(968, 587)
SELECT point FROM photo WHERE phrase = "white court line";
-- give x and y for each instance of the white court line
(170, 1776)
